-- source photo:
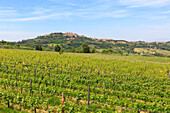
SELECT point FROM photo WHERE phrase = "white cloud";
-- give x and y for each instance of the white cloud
(41, 11)
(165, 12)
(153, 16)
(57, 16)
(7, 12)
(67, 9)
(145, 3)
(73, 4)
(157, 17)
(96, 15)
(88, 12)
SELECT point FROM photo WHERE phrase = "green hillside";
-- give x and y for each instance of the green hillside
(69, 40)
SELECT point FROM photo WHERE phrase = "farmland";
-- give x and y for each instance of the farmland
(34, 81)
(152, 51)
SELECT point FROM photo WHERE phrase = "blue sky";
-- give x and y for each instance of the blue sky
(132, 20)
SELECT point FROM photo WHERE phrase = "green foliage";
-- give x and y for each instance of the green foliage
(38, 47)
(57, 48)
(67, 42)
(4, 109)
(85, 48)
(132, 83)
(54, 101)
(104, 51)
(108, 51)
(159, 54)
(61, 51)
(93, 50)
(120, 52)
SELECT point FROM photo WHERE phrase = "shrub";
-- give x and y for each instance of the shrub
(93, 50)
(38, 47)
(85, 48)
(57, 48)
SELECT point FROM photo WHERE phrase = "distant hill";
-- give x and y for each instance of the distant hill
(72, 40)
(69, 40)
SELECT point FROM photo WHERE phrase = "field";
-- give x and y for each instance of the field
(152, 51)
(34, 81)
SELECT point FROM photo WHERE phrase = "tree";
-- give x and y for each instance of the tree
(85, 48)
(93, 50)
(128, 51)
(120, 52)
(57, 48)
(38, 47)
(73, 49)
(3, 42)
(104, 51)
(61, 51)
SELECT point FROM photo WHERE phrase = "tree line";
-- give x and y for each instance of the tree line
(84, 48)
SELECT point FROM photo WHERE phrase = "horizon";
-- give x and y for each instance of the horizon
(130, 20)
(88, 37)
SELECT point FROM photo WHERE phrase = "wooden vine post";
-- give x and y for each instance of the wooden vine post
(88, 94)
(69, 77)
(121, 79)
(131, 99)
(126, 77)
(63, 99)
(81, 75)
(21, 90)
(4, 86)
(61, 70)
(41, 93)
(49, 72)
(6, 69)
(30, 86)
(22, 68)
(104, 86)
(54, 81)
(8, 104)
(35, 73)
(168, 73)
(113, 82)
(16, 75)
(34, 109)
(20, 106)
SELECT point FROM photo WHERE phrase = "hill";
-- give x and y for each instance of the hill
(72, 41)
(69, 40)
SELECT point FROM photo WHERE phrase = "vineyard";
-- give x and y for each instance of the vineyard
(45, 82)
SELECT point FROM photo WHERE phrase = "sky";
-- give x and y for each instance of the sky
(132, 20)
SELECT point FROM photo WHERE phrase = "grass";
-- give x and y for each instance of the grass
(133, 58)
(4, 109)
(152, 51)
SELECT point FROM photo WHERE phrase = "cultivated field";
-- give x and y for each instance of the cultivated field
(34, 81)
(152, 51)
